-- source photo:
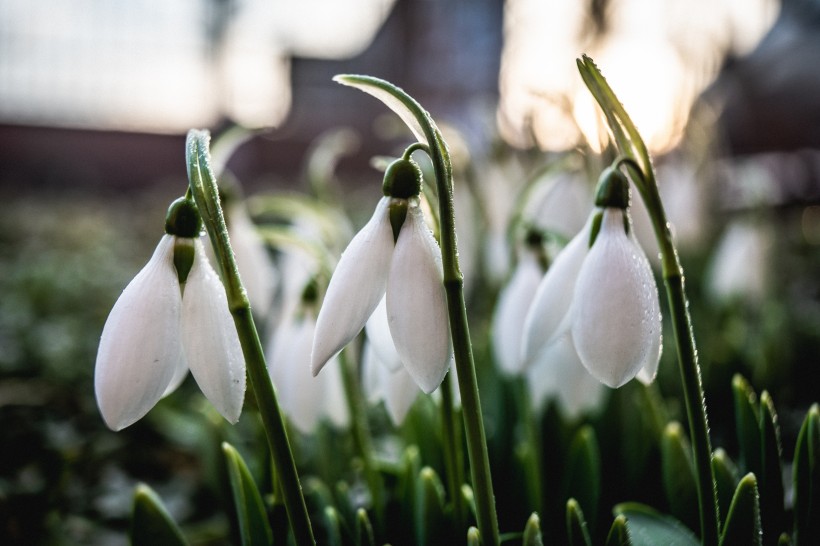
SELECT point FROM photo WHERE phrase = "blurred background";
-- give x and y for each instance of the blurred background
(96, 98)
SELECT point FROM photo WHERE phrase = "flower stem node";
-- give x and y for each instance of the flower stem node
(183, 219)
(402, 179)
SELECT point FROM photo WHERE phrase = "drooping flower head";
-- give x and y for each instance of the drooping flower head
(172, 317)
(395, 256)
(600, 296)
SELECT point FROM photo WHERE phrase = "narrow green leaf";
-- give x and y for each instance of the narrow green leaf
(473, 537)
(364, 529)
(626, 134)
(618, 533)
(772, 510)
(647, 527)
(532, 532)
(747, 425)
(726, 478)
(333, 526)
(151, 524)
(679, 475)
(430, 518)
(254, 528)
(387, 93)
(577, 532)
(743, 520)
(584, 473)
(807, 480)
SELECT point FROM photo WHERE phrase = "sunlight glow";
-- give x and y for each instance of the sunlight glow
(658, 56)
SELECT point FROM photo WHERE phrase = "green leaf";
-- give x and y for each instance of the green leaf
(473, 537)
(626, 134)
(647, 527)
(151, 524)
(725, 478)
(430, 518)
(577, 532)
(584, 473)
(743, 520)
(807, 480)
(618, 533)
(364, 530)
(393, 97)
(772, 510)
(747, 425)
(254, 528)
(679, 475)
(532, 532)
(333, 526)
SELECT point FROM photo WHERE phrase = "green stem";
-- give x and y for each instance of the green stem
(689, 369)
(361, 433)
(204, 189)
(639, 164)
(453, 457)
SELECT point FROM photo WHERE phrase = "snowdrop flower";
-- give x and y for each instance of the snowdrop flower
(173, 316)
(395, 256)
(303, 398)
(739, 265)
(513, 304)
(600, 296)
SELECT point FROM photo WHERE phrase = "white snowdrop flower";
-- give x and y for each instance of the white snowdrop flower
(396, 257)
(173, 316)
(511, 311)
(304, 399)
(600, 297)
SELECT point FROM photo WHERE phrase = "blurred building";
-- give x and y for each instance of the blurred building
(100, 94)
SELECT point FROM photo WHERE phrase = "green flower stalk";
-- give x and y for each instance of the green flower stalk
(639, 165)
(203, 188)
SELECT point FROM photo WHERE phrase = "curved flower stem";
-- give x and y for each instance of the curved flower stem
(205, 192)
(636, 157)
(361, 432)
(425, 130)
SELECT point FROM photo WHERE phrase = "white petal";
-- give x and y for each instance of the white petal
(209, 338)
(140, 342)
(511, 311)
(301, 395)
(356, 287)
(615, 318)
(400, 392)
(558, 373)
(545, 320)
(417, 304)
(380, 339)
